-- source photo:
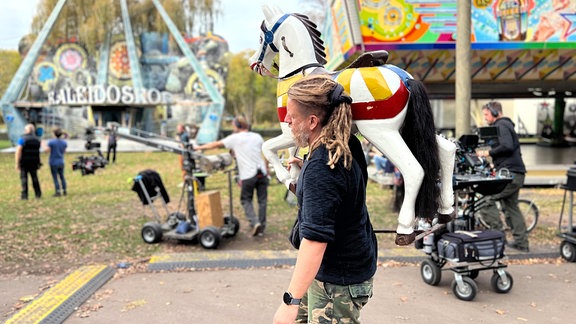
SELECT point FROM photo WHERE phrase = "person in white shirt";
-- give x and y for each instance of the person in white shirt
(252, 169)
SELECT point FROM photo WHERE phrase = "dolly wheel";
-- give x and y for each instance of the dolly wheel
(231, 226)
(210, 237)
(152, 232)
(498, 285)
(430, 272)
(568, 251)
(467, 291)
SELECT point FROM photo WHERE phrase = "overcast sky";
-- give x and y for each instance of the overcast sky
(239, 25)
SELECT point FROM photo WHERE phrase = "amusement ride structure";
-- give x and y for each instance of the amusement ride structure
(128, 79)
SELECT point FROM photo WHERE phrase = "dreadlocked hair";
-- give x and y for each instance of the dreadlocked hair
(324, 97)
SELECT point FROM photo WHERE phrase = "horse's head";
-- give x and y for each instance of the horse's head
(293, 37)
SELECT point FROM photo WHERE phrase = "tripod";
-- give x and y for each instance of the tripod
(190, 187)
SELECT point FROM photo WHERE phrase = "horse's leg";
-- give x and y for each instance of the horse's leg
(446, 152)
(390, 143)
(294, 168)
(270, 150)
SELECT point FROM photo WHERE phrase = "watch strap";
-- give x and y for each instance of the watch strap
(289, 300)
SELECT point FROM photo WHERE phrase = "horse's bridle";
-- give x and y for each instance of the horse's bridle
(269, 36)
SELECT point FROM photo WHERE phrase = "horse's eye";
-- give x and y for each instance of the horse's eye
(260, 39)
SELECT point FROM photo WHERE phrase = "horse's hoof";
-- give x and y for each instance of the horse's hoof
(406, 239)
(446, 218)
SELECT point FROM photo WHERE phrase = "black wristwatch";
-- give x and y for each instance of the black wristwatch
(289, 300)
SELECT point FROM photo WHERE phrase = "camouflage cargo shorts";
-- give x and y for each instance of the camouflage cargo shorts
(329, 303)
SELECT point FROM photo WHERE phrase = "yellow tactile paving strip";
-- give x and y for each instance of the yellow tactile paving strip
(62, 294)
(222, 255)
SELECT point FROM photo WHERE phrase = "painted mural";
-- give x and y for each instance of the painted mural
(66, 74)
(493, 21)
(512, 39)
(66, 65)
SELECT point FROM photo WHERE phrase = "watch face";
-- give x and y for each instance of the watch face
(287, 298)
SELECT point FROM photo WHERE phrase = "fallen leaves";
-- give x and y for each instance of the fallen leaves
(133, 304)
(85, 310)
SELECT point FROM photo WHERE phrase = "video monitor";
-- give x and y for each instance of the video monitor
(488, 132)
(469, 141)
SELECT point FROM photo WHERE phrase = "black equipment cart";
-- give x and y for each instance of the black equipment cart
(179, 226)
(459, 247)
(568, 232)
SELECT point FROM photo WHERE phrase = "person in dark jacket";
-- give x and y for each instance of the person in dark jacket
(112, 139)
(27, 160)
(336, 262)
(506, 154)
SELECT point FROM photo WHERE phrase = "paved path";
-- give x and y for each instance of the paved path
(542, 293)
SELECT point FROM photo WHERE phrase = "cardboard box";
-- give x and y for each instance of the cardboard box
(209, 209)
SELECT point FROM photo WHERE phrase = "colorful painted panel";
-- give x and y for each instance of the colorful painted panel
(496, 24)
(340, 43)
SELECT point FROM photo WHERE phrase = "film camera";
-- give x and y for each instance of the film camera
(89, 164)
(467, 161)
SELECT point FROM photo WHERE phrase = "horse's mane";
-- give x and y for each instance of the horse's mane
(319, 49)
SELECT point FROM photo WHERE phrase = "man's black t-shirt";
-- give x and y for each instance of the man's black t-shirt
(333, 211)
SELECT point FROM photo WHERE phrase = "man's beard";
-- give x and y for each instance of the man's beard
(300, 135)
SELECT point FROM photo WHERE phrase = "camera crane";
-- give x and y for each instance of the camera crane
(192, 161)
(208, 236)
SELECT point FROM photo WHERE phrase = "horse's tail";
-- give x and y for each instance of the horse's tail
(419, 133)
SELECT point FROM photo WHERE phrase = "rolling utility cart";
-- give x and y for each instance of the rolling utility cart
(460, 248)
(180, 226)
(568, 233)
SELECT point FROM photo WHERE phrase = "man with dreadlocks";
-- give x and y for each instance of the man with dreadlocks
(332, 279)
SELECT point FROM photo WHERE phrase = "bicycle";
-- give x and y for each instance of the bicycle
(474, 202)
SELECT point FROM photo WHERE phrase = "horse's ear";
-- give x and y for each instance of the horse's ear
(277, 11)
(271, 12)
(268, 13)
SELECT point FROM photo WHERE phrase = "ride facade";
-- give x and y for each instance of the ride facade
(143, 80)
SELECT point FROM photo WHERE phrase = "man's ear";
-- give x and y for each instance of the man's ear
(314, 122)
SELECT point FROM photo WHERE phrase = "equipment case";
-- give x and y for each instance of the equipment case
(471, 246)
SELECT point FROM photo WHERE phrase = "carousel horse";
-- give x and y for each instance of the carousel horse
(390, 109)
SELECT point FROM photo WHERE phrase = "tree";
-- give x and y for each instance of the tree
(90, 20)
(9, 62)
(248, 93)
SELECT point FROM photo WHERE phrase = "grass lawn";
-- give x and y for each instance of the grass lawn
(101, 218)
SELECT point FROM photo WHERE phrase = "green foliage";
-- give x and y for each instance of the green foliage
(248, 93)
(9, 62)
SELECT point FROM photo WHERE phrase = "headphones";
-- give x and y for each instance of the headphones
(493, 111)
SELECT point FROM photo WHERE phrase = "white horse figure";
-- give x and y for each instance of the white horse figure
(390, 109)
